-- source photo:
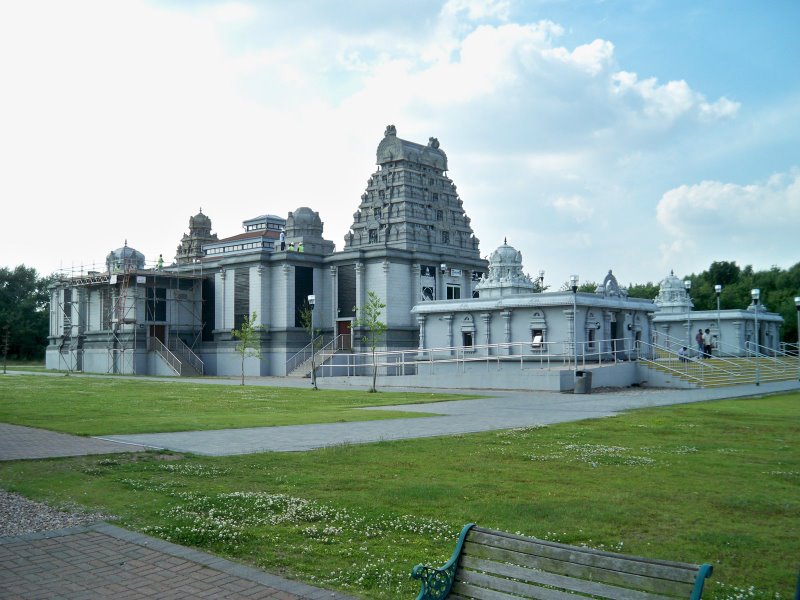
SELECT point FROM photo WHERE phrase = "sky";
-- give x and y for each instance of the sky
(641, 136)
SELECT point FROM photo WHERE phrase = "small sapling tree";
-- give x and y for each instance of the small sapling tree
(306, 315)
(249, 340)
(369, 318)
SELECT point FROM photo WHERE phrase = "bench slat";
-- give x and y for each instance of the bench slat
(536, 577)
(675, 571)
(492, 588)
(577, 570)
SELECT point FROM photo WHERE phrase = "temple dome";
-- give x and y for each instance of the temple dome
(199, 220)
(304, 222)
(672, 295)
(505, 274)
(124, 259)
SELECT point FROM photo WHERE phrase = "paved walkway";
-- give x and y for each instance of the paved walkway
(103, 561)
(502, 410)
(17, 442)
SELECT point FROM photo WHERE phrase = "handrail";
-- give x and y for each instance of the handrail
(543, 353)
(180, 348)
(158, 346)
(298, 358)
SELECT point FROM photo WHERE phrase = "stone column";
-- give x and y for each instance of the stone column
(506, 314)
(570, 332)
(334, 297)
(421, 323)
(219, 304)
(487, 336)
(449, 320)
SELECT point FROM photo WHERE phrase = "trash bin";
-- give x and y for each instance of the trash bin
(583, 382)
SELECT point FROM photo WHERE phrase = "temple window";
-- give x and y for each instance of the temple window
(453, 291)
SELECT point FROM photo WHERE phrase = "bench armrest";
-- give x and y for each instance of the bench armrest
(702, 574)
(436, 582)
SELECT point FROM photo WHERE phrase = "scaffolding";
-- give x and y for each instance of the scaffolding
(127, 318)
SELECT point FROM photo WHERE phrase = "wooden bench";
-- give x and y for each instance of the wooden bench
(494, 565)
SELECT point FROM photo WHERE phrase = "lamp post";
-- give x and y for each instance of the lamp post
(688, 285)
(311, 301)
(755, 294)
(718, 290)
(797, 304)
(573, 284)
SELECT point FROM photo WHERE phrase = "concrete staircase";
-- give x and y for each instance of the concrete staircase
(720, 372)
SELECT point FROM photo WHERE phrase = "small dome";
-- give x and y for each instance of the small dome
(303, 222)
(505, 255)
(672, 295)
(124, 258)
(505, 274)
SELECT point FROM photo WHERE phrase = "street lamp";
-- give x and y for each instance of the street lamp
(718, 289)
(573, 284)
(755, 294)
(311, 301)
(797, 304)
(688, 285)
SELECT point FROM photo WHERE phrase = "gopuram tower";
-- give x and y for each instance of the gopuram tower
(410, 240)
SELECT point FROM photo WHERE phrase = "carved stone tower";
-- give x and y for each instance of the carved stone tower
(410, 203)
(191, 246)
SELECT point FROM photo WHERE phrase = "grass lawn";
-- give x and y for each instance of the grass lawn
(105, 406)
(714, 482)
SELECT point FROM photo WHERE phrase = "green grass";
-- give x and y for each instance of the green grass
(714, 482)
(105, 406)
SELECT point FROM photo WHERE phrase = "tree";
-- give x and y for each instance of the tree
(23, 309)
(249, 340)
(369, 318)
(306, 315)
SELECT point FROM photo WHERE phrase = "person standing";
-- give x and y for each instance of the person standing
(708, 343)
(283, 240)
(700, 344)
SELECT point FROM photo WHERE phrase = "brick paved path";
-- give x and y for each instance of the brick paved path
(103, 561)
(17, 442)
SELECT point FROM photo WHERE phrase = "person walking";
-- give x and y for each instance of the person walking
(708, 343)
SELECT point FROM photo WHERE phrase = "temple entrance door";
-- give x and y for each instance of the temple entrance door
(613, 334)
(344, 329)
(159, 332)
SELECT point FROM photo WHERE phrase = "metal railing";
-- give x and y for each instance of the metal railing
(716, 369)
(304, 355)
(539, 355)
(157, 346)
(186, 355)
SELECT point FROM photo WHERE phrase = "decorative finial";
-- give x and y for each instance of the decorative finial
(201, 210)
(126, 241)
(672, 272)
(505, 241)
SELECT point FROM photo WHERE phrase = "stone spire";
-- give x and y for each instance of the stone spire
(410, 203)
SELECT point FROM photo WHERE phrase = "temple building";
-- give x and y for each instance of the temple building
(410, 241)
(736, 332)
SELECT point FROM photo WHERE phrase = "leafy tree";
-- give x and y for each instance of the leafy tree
(23, 309)
(647, 290)
(306, 315)
(369, 318)
(249, 340)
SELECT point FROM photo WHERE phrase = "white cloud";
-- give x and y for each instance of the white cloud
(128, 108)
(754, 223)
(575, 207)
